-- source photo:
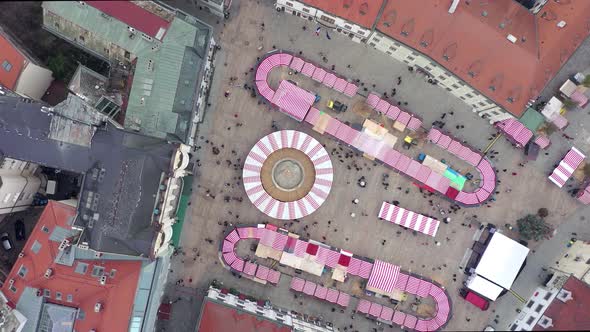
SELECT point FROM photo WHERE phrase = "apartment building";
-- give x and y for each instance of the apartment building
(498, 78)
(19, 182)
(168, 55)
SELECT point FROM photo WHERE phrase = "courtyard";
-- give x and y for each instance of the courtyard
(233, 124)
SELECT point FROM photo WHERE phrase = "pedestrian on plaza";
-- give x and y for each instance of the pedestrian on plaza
(317, 31)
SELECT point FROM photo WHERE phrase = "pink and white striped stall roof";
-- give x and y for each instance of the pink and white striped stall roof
(351, 89)
(542, 141)
(383, 276)
(409, 219)
(340, 85)
(319, 74)
(373, 100)
(308, 69)
(567, 166)
(287, 210)
(329, 80)
(293, 100)
(297, 64)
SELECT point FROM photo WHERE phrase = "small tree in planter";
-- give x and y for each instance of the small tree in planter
(532, 227)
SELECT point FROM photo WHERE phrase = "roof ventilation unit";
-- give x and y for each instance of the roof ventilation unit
(48, 273)
(103, 280)
(564, 295)
(97, 307)
(64, 244)
(512, 38)
(545, 322)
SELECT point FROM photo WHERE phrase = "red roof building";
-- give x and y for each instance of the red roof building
(361, 12)
(106, 304)
(216, 317)
(135, 16)
(19, 72)
(572, 314)
(500, 48)
(12, 62)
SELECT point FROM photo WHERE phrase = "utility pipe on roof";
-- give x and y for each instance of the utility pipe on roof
(454, 6)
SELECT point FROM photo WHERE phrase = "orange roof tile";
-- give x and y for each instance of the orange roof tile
(218, 317)
(362, 12)
(11, 54)
(573, 314)
(472, 42)
(116, 296)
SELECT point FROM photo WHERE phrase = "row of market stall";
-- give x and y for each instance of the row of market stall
(289, 98)
(322, 183)
(380, 146)
(417, 287)
(572, 160)
(402, 119)
(320, 292)
(408, 219)
(289, 249)
(250, 270)
(472, 157)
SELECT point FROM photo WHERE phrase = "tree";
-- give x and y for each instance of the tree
(57, 64)
(586, 81)
(543, 212)
(533, 227)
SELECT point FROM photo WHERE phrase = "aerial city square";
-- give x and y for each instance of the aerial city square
(294, 165)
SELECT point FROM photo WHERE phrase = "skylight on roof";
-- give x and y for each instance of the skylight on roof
(36, 247)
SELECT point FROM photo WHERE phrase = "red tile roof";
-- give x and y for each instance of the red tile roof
(474, 39)
(218, 317)
(132, 15)
(116, 296)
(573, 314)
(11, 54)
(362, 12)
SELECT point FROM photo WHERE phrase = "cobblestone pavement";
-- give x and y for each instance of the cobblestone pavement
(232, 125)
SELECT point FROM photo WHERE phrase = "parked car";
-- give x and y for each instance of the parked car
(475, 299)
(336, 106)
(6, 244)
(19, 230)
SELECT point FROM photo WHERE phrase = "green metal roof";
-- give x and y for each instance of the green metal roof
(532, 119)
(166, 78)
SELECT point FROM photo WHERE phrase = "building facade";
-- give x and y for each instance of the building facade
(571, 268)
(217, 7)
(168, 54)
(20, 72)
(354, 31)
(19, 182)
(253, 315)
(432, 39)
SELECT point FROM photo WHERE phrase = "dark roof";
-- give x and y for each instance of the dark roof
(122, 173)
(217, 317)
(573, 314)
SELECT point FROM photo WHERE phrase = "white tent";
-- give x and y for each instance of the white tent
(484, 287)
(502, 260)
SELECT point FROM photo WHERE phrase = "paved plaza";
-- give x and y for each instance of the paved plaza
(233, 124)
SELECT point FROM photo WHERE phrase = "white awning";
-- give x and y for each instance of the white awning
(484, 287)
(502, 260)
